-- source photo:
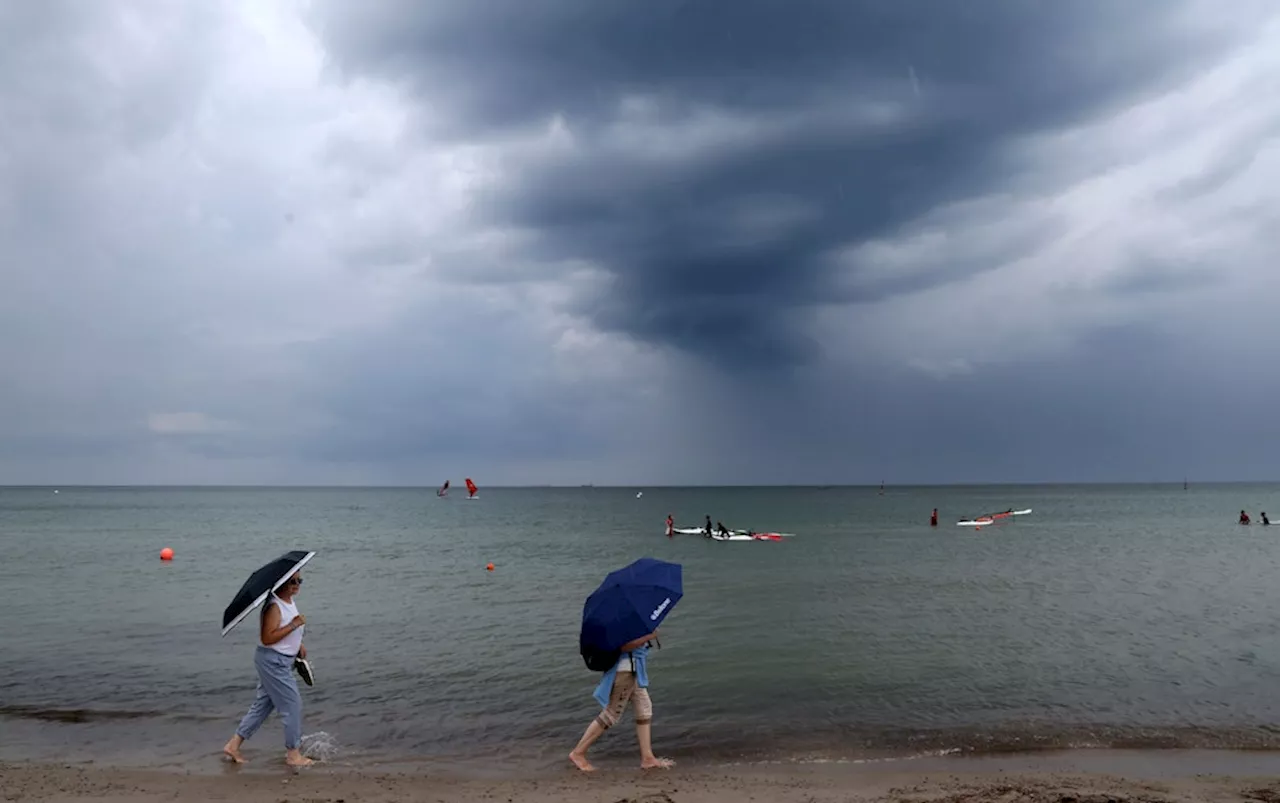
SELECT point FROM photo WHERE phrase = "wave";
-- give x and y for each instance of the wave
(74, 715)
(1011, 739)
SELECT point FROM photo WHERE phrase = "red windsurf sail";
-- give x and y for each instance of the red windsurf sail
(471, 487)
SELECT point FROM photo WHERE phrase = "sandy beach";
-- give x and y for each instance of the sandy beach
(1065, 777)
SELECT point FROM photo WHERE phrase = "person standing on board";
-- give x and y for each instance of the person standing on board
(281, 642)
(708, 530)
(626, 682)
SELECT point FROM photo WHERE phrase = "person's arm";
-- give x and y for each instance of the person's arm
(272, 631)
(640, 642)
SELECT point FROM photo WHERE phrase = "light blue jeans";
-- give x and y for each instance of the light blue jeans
(277, 690)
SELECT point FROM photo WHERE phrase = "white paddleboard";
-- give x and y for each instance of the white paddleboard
(986, 522)
(734, 535)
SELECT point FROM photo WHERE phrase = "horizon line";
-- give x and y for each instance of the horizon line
(634, 486)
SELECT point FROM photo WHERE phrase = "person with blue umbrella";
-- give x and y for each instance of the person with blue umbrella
(619, 620)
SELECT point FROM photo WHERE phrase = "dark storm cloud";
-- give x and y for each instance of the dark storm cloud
(687, 242)
(841, 122)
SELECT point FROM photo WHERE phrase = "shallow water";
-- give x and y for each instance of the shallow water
(1120, 616)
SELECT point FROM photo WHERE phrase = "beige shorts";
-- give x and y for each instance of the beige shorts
(626, 691)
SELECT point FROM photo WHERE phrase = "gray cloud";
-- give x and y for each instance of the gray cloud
(717, 155)
(685, 242)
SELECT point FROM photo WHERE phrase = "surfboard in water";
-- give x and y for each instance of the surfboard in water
(992, 518)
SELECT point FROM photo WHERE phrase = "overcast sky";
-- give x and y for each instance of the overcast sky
(669, 241)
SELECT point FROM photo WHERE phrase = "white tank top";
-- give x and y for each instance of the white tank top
(289, 644)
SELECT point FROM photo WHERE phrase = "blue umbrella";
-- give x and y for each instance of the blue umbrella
(630, 603)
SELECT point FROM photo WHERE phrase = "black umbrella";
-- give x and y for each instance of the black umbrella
(261, 583)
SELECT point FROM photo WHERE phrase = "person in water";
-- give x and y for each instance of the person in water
(627, 682)
(933, 520)
(1265, 520)
(280, 642)
(720, 528)
(707, 531)
(671, 526)
(1244, 517)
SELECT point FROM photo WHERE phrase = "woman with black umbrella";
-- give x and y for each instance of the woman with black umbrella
(280, 645)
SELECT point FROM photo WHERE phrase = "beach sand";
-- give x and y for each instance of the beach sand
(1067, 777)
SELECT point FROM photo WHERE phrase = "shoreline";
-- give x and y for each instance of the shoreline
(1057, 777)
(185, 743)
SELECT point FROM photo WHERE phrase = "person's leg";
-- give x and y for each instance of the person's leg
(644, 719)
(623, 684)
(578, 755)
(277, 678)
(249, 724)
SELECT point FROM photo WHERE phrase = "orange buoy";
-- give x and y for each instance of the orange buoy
(166, 554)
(489, 567)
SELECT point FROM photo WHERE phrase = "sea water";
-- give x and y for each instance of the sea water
(1112, 615)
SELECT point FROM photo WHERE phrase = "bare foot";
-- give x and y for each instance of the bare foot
(656, 763)
(296, 759)
(232, 752)
(581, 762)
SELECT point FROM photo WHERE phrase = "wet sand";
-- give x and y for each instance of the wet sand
(1065, 777)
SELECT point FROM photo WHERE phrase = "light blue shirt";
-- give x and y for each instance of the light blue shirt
(605, 687)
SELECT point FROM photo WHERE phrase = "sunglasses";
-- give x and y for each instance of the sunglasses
(293, 581)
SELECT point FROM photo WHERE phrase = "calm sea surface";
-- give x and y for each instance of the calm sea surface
(1122, 616)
